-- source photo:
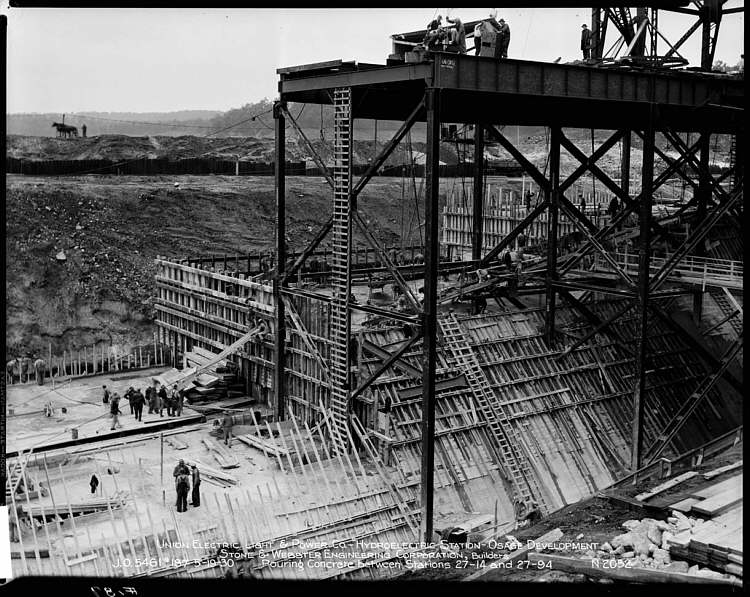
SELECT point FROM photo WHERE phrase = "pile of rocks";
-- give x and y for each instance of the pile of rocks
(646, 544)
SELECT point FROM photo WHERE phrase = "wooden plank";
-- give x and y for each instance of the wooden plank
(666, 485)
(717, 488)
(256, 442)
(590, 568)
(684, 505)
(517, 555)
(722, 469)
(719, 503)
(176, 443)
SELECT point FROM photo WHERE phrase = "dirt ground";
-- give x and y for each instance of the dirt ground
(109, 230)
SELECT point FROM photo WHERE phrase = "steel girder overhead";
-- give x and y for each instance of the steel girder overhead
(459, 88)
(639, 36)
(527, 93)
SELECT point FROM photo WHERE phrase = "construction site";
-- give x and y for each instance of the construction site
(532, 377)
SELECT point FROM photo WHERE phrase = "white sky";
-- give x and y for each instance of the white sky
(140, 60)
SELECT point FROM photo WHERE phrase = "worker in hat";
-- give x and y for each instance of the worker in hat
(586, 41)
(503, 39)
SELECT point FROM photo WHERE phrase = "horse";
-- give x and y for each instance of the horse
(65, 130)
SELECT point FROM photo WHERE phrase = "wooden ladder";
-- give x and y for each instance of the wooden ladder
(525, 486)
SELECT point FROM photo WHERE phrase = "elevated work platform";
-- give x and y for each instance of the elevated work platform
(533, 92)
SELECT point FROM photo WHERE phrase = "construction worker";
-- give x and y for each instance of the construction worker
(163, 401)
(114, 410)
(39, 366)
(105, 398)
(94, 483)
(15, 529)
(196, 479)
(129, 398)
(137, 401)
(150, 399)
(180, 469)
(613, 207)
(586, 41)
(182, 484)
(435, 24)
(83, 130)
(176, 401)
(503, 39)
(458, 36)
(227, 423)
(582, 203)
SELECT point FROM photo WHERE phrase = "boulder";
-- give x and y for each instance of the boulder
(624, 540)
(663, 526)
(606, 546)
(641, 544)
(627, 555)
(629, 525)
(653, 532)
(660, 555)
(693, 569)
(665, 537)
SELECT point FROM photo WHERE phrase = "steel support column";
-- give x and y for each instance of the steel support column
(429, 315)
(278, 281)
(625, 164)
(639, 391)
(552, 231)
(703, 197)
(477, 227)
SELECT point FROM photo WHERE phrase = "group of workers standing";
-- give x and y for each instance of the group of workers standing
(491, 36)
(157, 400)
(186, 477)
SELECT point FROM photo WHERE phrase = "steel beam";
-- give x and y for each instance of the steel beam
(429, 314)
(477, 232)
(316, 158)
(693, 241)
(552, 230)
(395, 315)
(599, 328)
(322, 233)
(387, 364)
(511, 236)
(278, 281)
(697, 346)
(388, 149)
(478, 195)
(527, 166)
(391, 267)
(592, 159)
(607, 181)
(675, 425)
(644, 261)
(625, 163)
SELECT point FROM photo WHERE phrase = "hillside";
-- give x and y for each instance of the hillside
(111, 228)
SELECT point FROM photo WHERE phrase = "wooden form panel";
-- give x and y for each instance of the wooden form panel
(212, 310)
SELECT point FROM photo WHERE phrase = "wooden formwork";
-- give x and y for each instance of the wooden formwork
(318, 501)
(503, 210)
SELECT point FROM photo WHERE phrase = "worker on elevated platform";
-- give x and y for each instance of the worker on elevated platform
(458, 35)
(586, 41)
(503, 39)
